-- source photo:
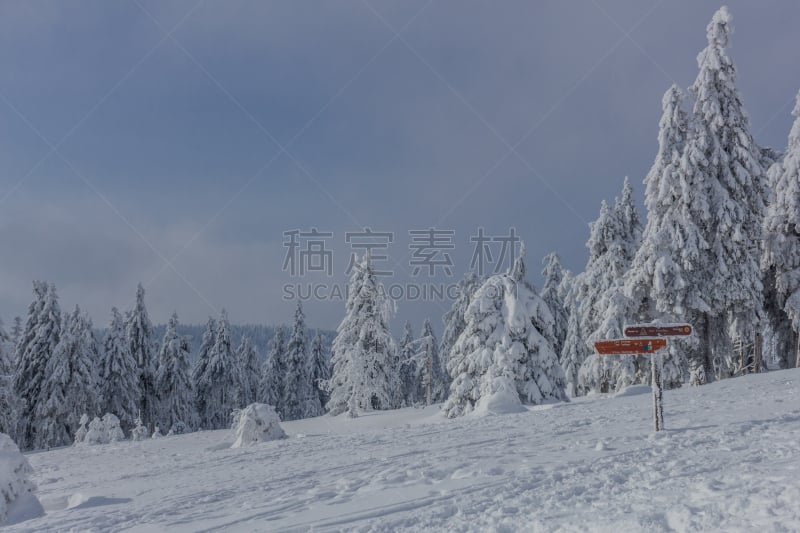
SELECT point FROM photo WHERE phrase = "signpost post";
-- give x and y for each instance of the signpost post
(647, 339)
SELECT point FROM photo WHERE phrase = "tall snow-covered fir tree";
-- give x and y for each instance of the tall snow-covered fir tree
(453, 319)
(219, 381)
(589, 287)
(320, 371)
(16, 330)
(407, 372)
(50, 408)
(660, 280)
(274, 371)
(429, 367)
(201, 385)
(34, 352)
(6, 351)
(173, 382)
(613, 242)
(10, 406)
(575, 351)
(604, 253)
(505, 346)
(364, 351)
(9, 403)
(553, 274)
(298, 396)
(249, 370)
(140, 344)
(70, 388)
(82, 392)
(726, 185)
(119, 375)
(782, 248)
(29, 370)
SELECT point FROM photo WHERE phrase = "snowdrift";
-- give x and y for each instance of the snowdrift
(258, 422)
(17, 502)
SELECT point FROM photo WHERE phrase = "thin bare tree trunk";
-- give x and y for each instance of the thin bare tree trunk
(757, 353)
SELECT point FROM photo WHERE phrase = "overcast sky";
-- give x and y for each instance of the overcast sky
(174, 143)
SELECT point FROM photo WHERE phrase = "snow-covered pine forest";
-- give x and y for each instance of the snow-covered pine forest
(717, 247)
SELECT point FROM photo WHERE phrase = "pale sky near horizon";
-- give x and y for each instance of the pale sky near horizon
(173, 144)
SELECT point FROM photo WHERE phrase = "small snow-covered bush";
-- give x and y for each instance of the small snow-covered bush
(258, 422)
(16, 488)
(140, 431)
(114, 431)
(100, 431)
(157, 433)
(96, 433)
(80, 435)
(178, 428)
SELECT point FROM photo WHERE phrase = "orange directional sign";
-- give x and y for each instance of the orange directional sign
(652, 330)
(629, 346)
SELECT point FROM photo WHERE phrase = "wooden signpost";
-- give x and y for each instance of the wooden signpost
(655, 330)
(629, 346)
(647, 339)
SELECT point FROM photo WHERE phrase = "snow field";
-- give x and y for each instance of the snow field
(727, 462)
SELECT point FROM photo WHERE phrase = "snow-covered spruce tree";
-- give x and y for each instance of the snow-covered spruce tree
(453, 319)
(9, 403)
(660, 280)
(364, 351)
(82, 392)
(553, 274)
(614, 240)
(220, 380)
(7, 363)
(70, 388)
(274, 371)
(604, 233)
(16, 330)
(429, 368)
(30, 328)
(298, 396)
(575, 350)
(605, 267)
(140, 343)
(200, 385)
(726, 185)
(574, 292)
(249, 371)
(119, 376)
(320, 371)
(506, 345)
(407, 372)
(34, 351)
(782, 247)
(29, 370)
(173, 383)
(10, 406)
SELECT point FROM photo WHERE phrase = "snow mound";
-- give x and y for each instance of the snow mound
(503, 400)
(258, 422)
(633, 390)
(17, 501)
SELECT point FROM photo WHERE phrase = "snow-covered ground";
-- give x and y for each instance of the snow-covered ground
(729, 461)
